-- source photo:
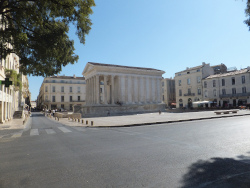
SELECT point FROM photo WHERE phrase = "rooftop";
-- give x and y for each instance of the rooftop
(129, 67)
(242, 71)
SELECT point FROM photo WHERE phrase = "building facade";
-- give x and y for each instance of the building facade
(62, 92)
(168, 91)
(188, 85)
(230, 89)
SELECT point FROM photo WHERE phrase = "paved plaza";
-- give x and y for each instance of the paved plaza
(16, 125)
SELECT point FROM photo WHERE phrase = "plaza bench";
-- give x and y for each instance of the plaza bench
(226, 111)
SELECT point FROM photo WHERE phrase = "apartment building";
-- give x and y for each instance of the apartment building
(168, 91)
(188, 84)
(62, 92)
(229, 89)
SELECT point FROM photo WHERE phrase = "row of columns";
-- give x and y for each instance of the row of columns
(123, 89)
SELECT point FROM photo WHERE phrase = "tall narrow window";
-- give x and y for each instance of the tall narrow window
(70, 89)
(198, 79)
(223, 91)
(243, 79)
(179, 82)
(62, 98)
(46, 88)
(233, 90)
(70, 98)
(53, 98)
(205, 84)
(214, 83)
(53, 89)
(215, 93)
(199, 91)
(79, 98)
(189, 91)
(180, 92)
(223, 82)
(244, 90)
(78, 89)
(188, 81)
(233, 81)
(205, 93)
(62, 89)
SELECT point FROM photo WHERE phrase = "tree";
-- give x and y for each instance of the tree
(248, 14)
(37, 31)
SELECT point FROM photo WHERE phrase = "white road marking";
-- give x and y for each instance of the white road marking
(34, 132)
(50, 131)
(63, 129)
(16, 135)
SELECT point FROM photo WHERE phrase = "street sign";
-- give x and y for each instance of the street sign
(6, 82)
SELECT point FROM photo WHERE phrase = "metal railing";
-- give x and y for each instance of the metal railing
(235, 95)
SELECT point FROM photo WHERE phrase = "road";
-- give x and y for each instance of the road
(205, 153)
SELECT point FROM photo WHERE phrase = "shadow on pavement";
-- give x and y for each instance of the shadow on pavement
(219, 173)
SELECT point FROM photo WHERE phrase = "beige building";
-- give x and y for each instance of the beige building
(62, 92)
(125, 89)
(229, 89)
(168, 91)
(188, 84)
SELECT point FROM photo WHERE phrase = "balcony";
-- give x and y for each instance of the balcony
(235, 95)
(189, 94)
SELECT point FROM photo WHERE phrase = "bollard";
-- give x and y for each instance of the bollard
(87, 122)
(82, 121)
(92, 123)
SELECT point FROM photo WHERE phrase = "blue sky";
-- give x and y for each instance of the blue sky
(169, 35)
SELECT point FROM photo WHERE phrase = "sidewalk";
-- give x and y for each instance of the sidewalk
(147, 119)
(12, 126)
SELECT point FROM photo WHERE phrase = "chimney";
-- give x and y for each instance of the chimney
(203, 63)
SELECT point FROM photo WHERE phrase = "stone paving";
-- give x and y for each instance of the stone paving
(16, 125)
(148, 118)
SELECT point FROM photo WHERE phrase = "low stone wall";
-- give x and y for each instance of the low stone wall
(112, 110)
(66, 115)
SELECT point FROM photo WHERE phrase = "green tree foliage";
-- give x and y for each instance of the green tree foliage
(248, 14)
(38, 32)
(15, 78)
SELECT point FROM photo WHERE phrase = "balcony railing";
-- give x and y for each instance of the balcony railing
(235, 95)
(189, 94)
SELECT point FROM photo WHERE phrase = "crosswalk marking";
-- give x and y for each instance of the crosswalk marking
(16, 135)
(63, 129)
(34, 132)
(50, 131)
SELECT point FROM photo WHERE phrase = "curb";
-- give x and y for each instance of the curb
(165, 122)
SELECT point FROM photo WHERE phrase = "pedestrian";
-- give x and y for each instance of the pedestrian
(53, 112)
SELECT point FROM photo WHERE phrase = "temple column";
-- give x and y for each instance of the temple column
(145, 90)
(105, 89)
(112, 89)
(97, 85)
(159, 90)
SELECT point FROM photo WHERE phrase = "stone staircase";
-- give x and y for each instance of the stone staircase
(18, 115)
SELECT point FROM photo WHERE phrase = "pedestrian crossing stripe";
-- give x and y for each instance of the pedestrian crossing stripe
(34, 132)
(50, 131)
(63, 129)
(16, 135)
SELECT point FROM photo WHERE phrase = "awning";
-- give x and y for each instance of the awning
(173, 103)
(203, 102)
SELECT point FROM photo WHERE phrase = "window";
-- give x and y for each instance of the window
(198, 70)
(244, 90)
(214, 83)
(62, 89)
(188, 72)
(205, 84)
(53, 81)
(70, 98)
(233, 81)
(243, 79)
(179, 82)
(205, 93)
(46, 88)
(198, 79)
(46, 97)
(62, 98)
(62, 106)
(70, 89)
(71, 107)
(214, 92)
(188, 81)
(199, 91)
(180, 92)
(179, 74)
(223, 91)
(162, 84)
(79, 98)
(100, 90)
(78, 89)
(53, 89)
(189, 91)
(62, 81)
(223, 82)
(53, 98)
(233, 90)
